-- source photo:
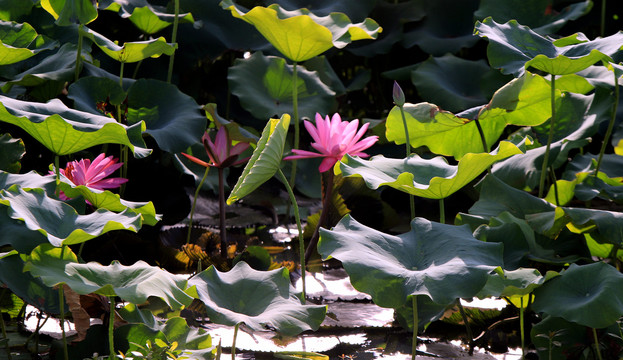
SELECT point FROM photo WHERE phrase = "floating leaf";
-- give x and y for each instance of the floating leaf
(429, 178)
(264, 86)
(12, 151)
(260, 299)
(444, 262)
(590, 295)
(134, 283)
(58, 221)
(130, 51)
(65, 131)
(265, 161)
(70, 12)
(19, 42)
(300, 35)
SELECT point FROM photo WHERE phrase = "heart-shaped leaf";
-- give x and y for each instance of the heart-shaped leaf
(130, 51)
(590, 295)
(134, 283)
(264, 86)
(12, 151)
(58, 221)
(429, 178)
(262, 300)
(70, 12)
(444, 262)
(300, 35)
(265, 161)
(65, 131)
(19, 42)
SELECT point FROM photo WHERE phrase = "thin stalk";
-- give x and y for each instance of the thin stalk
(408, 146)
(416, 322)
(111, 328)
(173, 40)
(123, 151)
(482, 136)
(192, 209)
(3, 328)
(57, 171)
(468, 329)
(233, 344)
(555, 183)
(138, 65)
(602, 27)
(324, 215)
(597, 350)
(295, 117)
(442, 212)
(521, 328)
(550, 137)
(79, 53)
(221, 206)
(613, 256)
(35, 333)
(610, 125)
(299, 227)
(61, 302)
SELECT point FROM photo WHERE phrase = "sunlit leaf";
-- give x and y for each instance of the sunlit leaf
(130, 51)
(19, 42)
(444, 262)
(265, 161)
(70, 12)
(262, 300)
(299, 34)
(148, 18)
(604, 226)
(514, 285)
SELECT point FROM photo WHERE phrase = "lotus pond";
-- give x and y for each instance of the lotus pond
(199, 179)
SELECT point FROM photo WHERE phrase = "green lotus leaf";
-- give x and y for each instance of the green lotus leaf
(514, 47)
(60, 222)
(427, 312)
(15, 234)
(260, 299)
(607, 185)
(536, 14)
(149, 19)
(603, 226)
(29, 180)
(264, 86)
(14, 9)
(89, 91)
(19, 42)
(429, 178)
(130, 51)
(134, 283)
(356, 11)
(111, 201)
(444, 262)
(515, 285)
(300, 35)
(23, 284)
(12, 151)
(171, 117)
(557, 338)
(265, 161)
(590, 295)
(65, 131)
(70, 12)
(448, 81)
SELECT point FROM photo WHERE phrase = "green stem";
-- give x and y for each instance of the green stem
(57, 171)
(416, 322)
(442, 212)
(610, 125)
(138, 65)
(468, 329)
(79, 53)
(173, 40)
(123, 152)
(482, 136)
(299, 227)
(602, 27)
(221, 205)
(192, 209)
(521, 328)
(408, 146)
(111, 328)
(3, 327)
(233, 344)
(550, 137)
(61, 303)
(295, 117)
(597, 350)
(324, 215)
(555, 183)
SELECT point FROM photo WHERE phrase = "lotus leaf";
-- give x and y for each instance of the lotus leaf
(149, 19)
(590, 295)
(65, 131)
(90, 91)
(444, 262)
(260, 299)
(299, 34)
(28, 181)
(429, 178)
(427, 312)
(515, 285)
(134, 283)
(264, 86)
(130, 51)
(58, 221)
(70, 12)
(19, 42)
(265, 161)
(604, 226)
(14, 9)
(12, 151)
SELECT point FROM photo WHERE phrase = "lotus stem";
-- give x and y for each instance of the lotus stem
(442, 212)
(3, 328)
(482, 136)
(521, 328)
(173, 40)
(295, 117)
(613, 256)
(221, 206)
(408, 146)
(550, 136)
(468, 329)
(79, 53)
(299, 227)
(324, 215)
(138, 66)
(57, 171)
(61, 303)
(111, 328)
(233, 344)
(192, 209)
(416, 322)
(610, 125)
(597, 350)
(602, 27)
(555, 185)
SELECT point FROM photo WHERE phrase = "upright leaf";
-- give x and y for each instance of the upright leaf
(70, 12)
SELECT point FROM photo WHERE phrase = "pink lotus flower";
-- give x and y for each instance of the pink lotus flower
(333, 139)
(93, 174)
(221, 152)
